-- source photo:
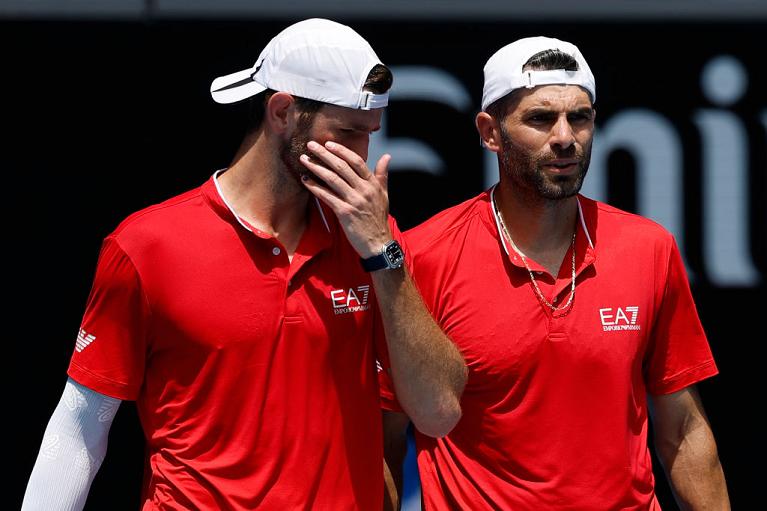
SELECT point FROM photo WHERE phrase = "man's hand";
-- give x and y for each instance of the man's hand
(427, 370)
(358, 197)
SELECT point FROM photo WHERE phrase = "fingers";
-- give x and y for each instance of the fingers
(322, 193)
(341, 160)
(334, 182)
(360, 204)
(343, 170)
(354, 160)
(382, 171)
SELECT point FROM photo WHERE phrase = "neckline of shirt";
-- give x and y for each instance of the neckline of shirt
(500, 233)
(243, 222)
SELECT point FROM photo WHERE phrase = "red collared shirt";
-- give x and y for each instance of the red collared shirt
(255, 377)
(555, 409)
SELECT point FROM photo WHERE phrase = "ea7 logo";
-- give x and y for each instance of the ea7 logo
(84, 339)
(350, 300)
(614, 319)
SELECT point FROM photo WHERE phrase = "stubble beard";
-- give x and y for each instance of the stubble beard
(291, 150)
(526, 172)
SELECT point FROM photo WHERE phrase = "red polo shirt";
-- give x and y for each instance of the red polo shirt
(255, 378)
(555, 409)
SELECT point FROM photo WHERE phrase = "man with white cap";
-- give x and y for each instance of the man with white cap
(569, 313)
(246, 317)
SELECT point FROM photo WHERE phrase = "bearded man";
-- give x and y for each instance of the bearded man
(575, 320)
(246, 317)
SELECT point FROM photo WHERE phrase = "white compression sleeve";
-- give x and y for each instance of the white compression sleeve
(74, 445)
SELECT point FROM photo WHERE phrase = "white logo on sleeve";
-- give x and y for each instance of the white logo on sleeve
(618, 319)
(51, 447)
(350, 300)
(83, 340)
(108, 409)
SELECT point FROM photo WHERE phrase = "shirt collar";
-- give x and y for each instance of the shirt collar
(222, 200)
(583, 244)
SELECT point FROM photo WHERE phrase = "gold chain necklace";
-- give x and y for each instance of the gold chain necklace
(538, 292)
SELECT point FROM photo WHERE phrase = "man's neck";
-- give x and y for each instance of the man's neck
(541, 229)
(261, 192)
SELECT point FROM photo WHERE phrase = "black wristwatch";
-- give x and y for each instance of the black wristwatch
(390, 257)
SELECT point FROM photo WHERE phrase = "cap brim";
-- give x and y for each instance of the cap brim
(235, 87)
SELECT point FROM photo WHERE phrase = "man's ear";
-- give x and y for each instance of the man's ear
(278, 112)
(489, 131)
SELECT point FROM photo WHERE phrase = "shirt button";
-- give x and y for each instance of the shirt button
(290, 283)
(276, 251)
(539, 273)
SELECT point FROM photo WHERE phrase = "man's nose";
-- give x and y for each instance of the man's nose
(562, 133)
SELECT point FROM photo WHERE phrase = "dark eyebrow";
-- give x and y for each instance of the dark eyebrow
(584, 110)
(539, 111)
(542, 110)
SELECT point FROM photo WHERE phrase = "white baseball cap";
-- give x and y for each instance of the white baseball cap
(503, 71)
(315, 59)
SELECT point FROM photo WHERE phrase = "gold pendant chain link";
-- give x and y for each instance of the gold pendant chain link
(567, 306)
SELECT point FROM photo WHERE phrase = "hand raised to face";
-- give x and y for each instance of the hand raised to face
(357, 196)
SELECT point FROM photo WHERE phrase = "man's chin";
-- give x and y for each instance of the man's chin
(561, 190)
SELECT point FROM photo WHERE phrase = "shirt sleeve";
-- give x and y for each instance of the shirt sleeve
(678, 354)
(111, 346)
(387, 395)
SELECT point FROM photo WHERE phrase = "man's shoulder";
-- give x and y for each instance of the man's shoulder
(611, 223)
(445, 225)
(614, 216)
(158, 218)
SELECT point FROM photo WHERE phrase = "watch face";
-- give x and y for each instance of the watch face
(394, 255)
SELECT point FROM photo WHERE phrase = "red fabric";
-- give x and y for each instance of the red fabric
(555, 410)
(255, 378)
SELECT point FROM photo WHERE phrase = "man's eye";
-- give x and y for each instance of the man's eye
(580, 117)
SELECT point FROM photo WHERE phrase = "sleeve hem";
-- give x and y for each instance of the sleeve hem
(685, 379)
(100, 384)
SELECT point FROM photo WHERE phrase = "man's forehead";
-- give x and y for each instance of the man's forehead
(358, 119)
(553, 96)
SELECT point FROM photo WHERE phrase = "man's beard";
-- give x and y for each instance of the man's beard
(290, 155)
(291, 151)
(526, 170)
